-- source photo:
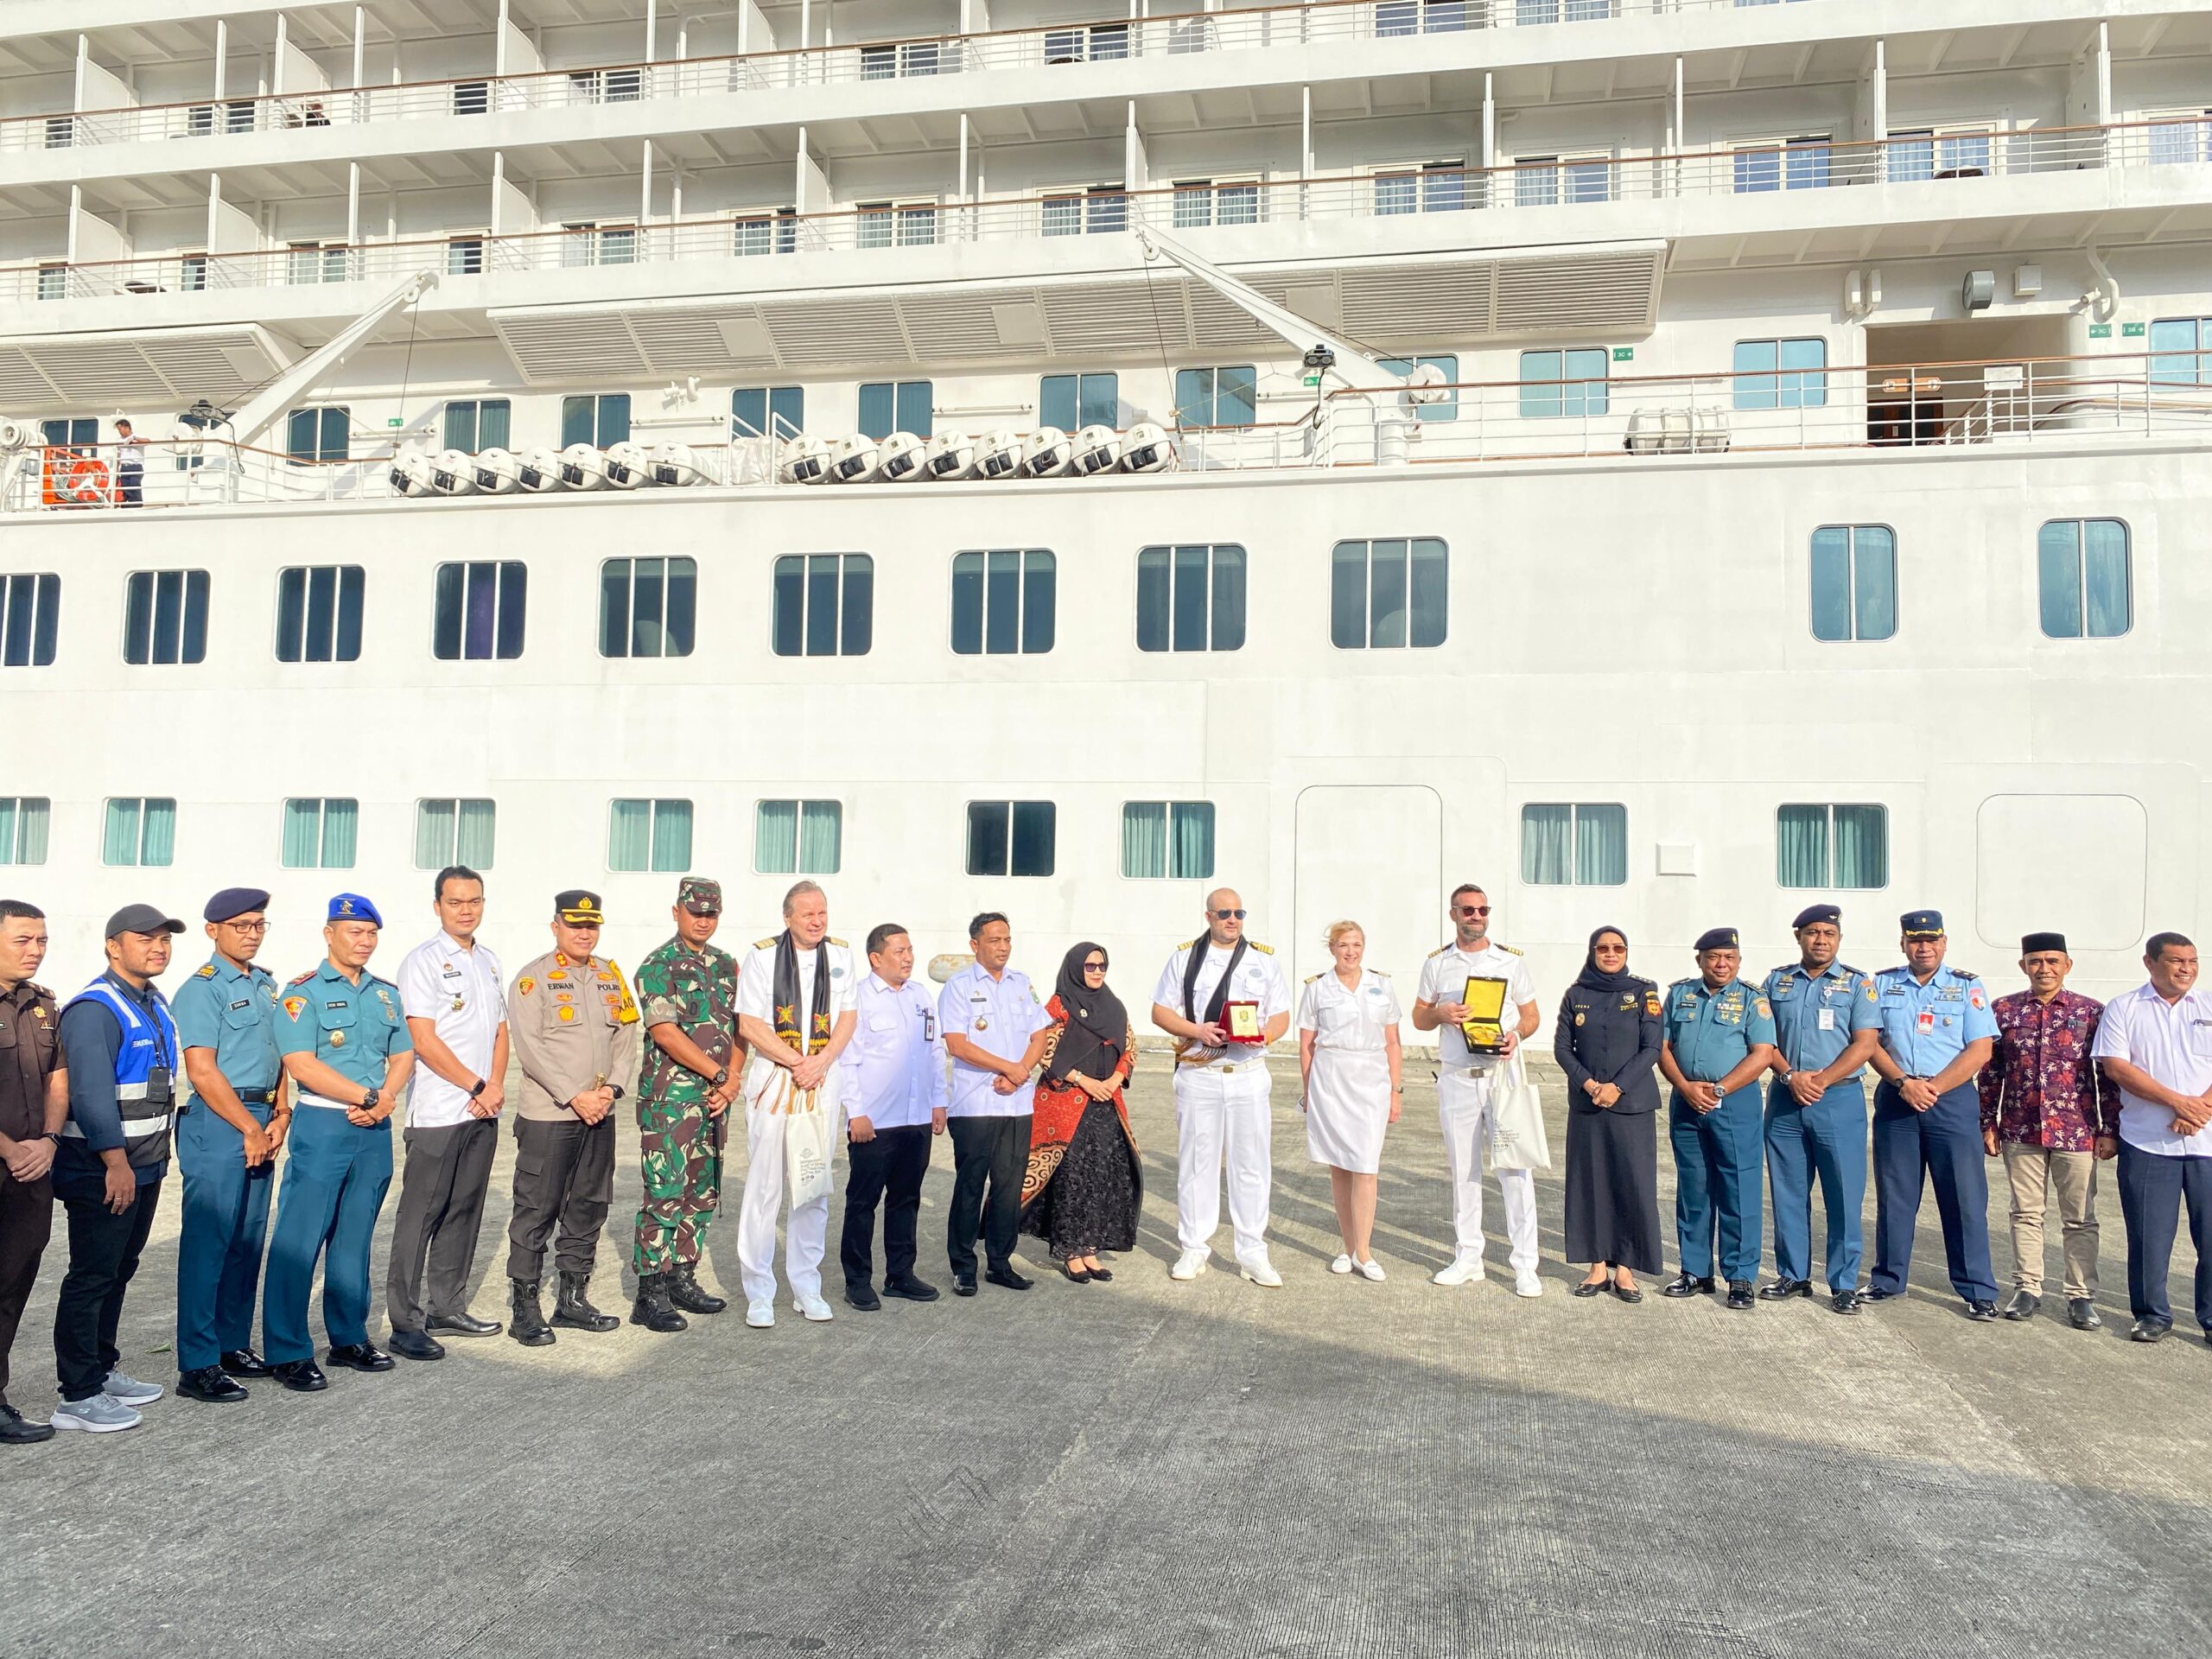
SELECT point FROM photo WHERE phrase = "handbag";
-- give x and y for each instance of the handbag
(1517, 1139)
(808, 1146)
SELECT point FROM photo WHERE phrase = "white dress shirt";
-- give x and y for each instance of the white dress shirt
(2173, 1041)
(1444, 979)
(895, 1066)
(1259, 979)
(756, 995)
(998, 1016)
(462, 991)
(1360, 1018)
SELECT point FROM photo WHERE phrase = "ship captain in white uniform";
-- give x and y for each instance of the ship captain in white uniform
(1223, 998)
(1464, 1082)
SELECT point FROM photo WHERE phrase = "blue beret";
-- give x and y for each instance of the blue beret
(1718, 939)
(352, 907)
(1812, 913)
(1921, 924)
(235, 901)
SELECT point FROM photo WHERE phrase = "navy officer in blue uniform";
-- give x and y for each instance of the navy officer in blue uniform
(345, 1044)
(1716, 1038)
(1937, 1032)
(1824, 1029)
(227, 1136)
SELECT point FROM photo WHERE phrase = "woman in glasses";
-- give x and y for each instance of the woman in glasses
(1082, 1189)
(1348, 1052)
(1607, 1041)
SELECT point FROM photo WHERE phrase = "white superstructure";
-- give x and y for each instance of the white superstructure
(1798, 489)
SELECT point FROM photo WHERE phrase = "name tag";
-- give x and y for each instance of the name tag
(1827, 1019)
(1926, 1021)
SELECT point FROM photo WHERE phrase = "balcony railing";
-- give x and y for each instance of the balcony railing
(1033, 48)
(1944, 160)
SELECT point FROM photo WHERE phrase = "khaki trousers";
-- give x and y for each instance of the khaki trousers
(2032, 1171)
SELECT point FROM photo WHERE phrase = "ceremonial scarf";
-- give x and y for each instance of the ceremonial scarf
(1594, 978)
(1097, 1028)
(1221, 989)
(786, 992)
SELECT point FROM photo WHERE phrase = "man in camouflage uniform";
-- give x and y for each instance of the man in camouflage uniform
(688, 993)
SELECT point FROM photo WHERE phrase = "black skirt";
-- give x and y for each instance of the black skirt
(1091, 1202)
(1612, 1189)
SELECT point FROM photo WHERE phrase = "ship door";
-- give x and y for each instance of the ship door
(1372, 853)
(1965, 381)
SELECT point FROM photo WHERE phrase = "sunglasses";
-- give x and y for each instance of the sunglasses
(1474, 910)
(1094, 967)
(1229, 915)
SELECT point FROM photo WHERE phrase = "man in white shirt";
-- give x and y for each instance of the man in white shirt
(1221, 1110)
(893, 1091)
(130, 465)
(455, 1001)
(795, 1011)
(1464, 1081)
(995, 1027)
(2156, 1043)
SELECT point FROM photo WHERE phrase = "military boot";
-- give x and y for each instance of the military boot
(652, 1308)
(527, 1326)
(574, 1310)
(684, 1290)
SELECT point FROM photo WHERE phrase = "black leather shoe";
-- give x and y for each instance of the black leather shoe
(685, 1292)
(2082, 1313)
(574, 1310)
(863, 1297)
(1876, 1294)
(461, 1325)
(652, 1308)
(416, 1345)
(909, 1288)
(1590, 1287)
(963, 1284)
(1630, 1293)
(1844, 1301)
(2022, 1305)
(526, 1323)
(244, 1362)
(2148, 1330)
(1782, 1289)
(1102, 1275)
(300, 1376)
(14, 1430)
(1981, 1313)
(209, 1383)
(1005, 1277)
(1683, 1285)
(362, 1357)
(1740, 1297)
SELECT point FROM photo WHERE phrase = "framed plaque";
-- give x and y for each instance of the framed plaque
(1485, 1027)
(1242, 1021)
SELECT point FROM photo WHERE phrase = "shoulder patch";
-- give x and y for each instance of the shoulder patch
(1760, 1003)
(303, 979)
(207, 971)
(1651, 1002)
(1264, 949)
(525, 985)
(293, 1005)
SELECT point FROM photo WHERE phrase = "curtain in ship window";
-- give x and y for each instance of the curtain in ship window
(1862, 847)
(2104, 576)
(1144, 839)
(433, 834)
(671, 835)
(775, 838)
(1547, 844)
(120, 844)
(1600, 846)
(157, 834)
(302, 834)
(339, 822)
(23, 829)
(1193, 824)
(820, 837)
(629, 835)
(1801, 846)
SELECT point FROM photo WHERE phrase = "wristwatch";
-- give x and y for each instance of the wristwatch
(720, 1078)
(482, 1084)
(616, 1088)
(370, 1101)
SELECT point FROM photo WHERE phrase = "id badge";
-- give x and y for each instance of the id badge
(929, 1024)
(158, 1086)
(1926, 1023)
(1827, 1020)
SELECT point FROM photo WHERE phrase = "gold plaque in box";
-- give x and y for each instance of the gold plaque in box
(1242, 1021)
(1485, 1027)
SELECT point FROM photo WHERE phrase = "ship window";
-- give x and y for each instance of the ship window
(647, 607)
(1447, 364)
(1200, 202)
(2183, 136)
(2081, 567)
(1010, 838)
(471, 96)
(1103, 207)
(1791, 164)
(1547, 180)
(1564, 383)
(1577, 843)
(1074, 401)
(1003, 602)
(649, 835)
(894, 224)
(319, 613)
(1439, 186)
(888, 406)
(476, 424)
(1529, 13)
(320, 834)
(1855, 582)
(79, 431)
(767, 411)
(448, 832)
(799, 837)
(755, 234)
(464, 255)
(30, 620)
(1388, 593)
(319, 434)
(1218, 397)
(141, 830)
(587, 242)
(1782, 373)
(54, 282)
(311, 262)
(824, 605)
(2179, 346)
(1190, 597)
(1826, 846)
(1168, 841)
(1419, 16)
(165, 616)
(477, 610)
(1936, 153)
(61, 132)
(1099, 41)
(605, 86)
(23, 820)
(601, 418)
(892, 60)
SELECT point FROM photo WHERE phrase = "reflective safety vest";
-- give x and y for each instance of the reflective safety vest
(146, 1058)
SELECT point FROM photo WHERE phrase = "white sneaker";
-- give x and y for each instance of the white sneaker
(1525, 1283)
(760, 1315)
(1262, 1272)
(99, 1415)
(129, 1390)
(1189, 1265)
(814, 1307)
(1371, 1269)
(1462, 1271)
(1342, 1264)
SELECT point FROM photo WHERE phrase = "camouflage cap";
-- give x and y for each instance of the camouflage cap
(700, 894)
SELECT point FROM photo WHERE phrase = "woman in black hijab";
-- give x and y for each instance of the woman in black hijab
(1082, 1189)
(1607, 1040)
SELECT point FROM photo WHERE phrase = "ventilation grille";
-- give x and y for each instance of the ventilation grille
(1610, 292)
(157, 366)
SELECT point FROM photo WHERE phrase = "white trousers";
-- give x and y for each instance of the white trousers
(1465, 1106)
(756, 1217)
(1219, 1115)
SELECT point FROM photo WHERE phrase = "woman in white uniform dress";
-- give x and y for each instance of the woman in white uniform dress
(1348, 1054)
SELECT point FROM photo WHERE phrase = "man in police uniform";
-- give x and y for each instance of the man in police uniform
(1221, 1087)
(227, 1138)
(345, 1047)
(894, 1100)
(1824, 1029)
(1464, 1081)
(688, 991)
(1938, 1032)
(33, 1105)
(1716, 1036)
(578, 1054)
(995, 1025)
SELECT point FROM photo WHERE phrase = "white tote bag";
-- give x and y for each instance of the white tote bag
(1517, 1139)
(808, 1147)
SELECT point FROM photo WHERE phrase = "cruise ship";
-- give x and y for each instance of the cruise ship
(1669, 461)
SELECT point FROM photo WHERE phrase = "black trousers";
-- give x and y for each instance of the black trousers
(104, 1251)
(564, 1176)
(26, 1222)
(440, 1207)
(993, 1152)
(889, 1169)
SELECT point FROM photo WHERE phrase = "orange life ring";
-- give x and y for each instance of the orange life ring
(85, 482)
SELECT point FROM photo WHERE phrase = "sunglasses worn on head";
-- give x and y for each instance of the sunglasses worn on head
(1225, 915)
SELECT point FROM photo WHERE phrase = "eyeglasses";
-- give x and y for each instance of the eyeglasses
(1474, 910)
(1229, 915)
(1094, 967)
(246, 927)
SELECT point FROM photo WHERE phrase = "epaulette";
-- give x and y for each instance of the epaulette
(768, 943)
(1964, 973)
(1509, 950)
(1310, 978)
(1440, 951)
(1380, 973)
(302, 980)
(207, 971)
(1186, 944)
(840, 943)
(1857, 973)
(1264, 949)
